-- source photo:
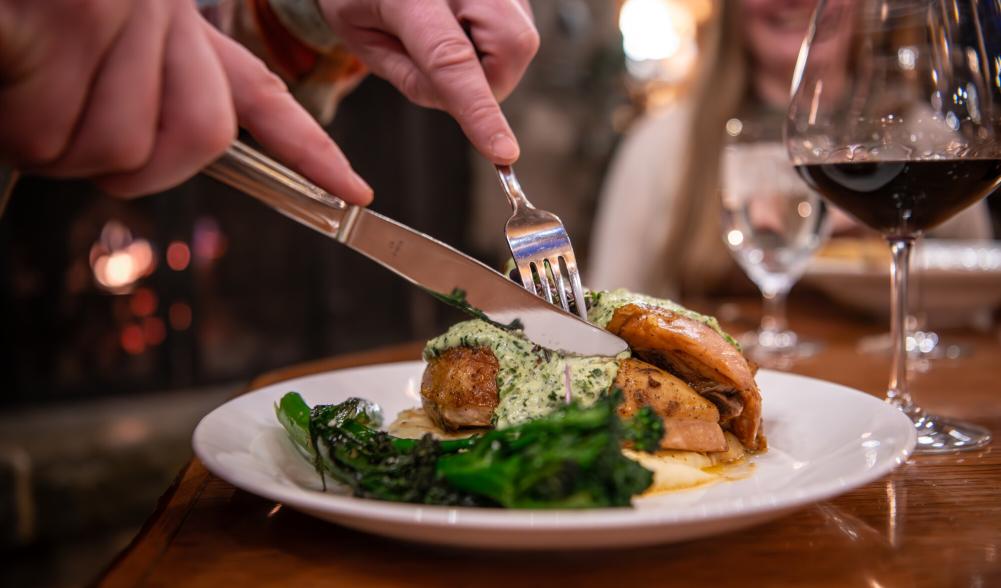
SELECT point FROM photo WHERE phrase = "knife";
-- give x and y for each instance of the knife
(443, 271)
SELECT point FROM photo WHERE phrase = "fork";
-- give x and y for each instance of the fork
(538, 242)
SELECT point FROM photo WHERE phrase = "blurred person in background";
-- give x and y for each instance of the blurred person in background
(139, 95)
(658, 223)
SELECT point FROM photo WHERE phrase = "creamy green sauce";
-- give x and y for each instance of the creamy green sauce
(605, 303)
(531, 382)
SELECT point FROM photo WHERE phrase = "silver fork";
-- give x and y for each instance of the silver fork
(538, 242)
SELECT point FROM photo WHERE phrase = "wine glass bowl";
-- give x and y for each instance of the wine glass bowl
(772, 223)
(895, 118)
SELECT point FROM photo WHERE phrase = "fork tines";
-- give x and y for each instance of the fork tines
(541, 248)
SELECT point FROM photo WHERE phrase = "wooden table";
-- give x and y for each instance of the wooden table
(936, 521)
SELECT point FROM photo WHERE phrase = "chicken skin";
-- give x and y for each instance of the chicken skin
(459, 390)
(691, 422)
(700, 356)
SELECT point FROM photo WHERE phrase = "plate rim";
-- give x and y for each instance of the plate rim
(540, 520)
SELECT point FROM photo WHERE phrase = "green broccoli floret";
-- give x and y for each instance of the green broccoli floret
(571, 458)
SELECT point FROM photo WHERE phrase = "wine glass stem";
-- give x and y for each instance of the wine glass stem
(773, 319)
(897, 393)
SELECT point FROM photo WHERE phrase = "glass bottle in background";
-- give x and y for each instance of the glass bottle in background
(772, 223)
(292, 38)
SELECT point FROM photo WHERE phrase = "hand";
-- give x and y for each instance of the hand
(421, 48)
(139, 95)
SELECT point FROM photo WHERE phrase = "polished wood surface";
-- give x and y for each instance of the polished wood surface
(936, 521)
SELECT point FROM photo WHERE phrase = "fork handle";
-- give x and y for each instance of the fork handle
(512, 188)
(257, 175)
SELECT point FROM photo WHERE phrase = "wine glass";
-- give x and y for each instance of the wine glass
(924, 345)
(772, 223)
(895, 118)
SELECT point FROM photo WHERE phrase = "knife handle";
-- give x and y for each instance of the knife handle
(257, 175)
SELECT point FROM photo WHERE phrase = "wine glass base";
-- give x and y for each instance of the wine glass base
(944, 435)
(777, 350)
(920, 345)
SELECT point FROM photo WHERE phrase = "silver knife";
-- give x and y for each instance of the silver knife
(426, 262)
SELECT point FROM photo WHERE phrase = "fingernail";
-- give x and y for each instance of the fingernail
(503, 147)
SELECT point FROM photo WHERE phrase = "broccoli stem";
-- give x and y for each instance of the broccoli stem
(571, 458)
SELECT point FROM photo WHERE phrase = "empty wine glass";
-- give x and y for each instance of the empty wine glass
(895, 118)
(772, 223)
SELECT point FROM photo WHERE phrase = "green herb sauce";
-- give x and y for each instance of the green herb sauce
(530, 380)
(605, 303)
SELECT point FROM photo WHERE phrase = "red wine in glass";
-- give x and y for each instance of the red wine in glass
(896, 118)
(904, 197)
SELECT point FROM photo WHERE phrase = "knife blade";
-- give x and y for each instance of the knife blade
(443, 271)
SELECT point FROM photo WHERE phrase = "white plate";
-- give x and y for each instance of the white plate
(824, 439)
(954, 282)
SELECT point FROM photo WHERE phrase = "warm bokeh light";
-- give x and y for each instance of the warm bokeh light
(179, 316)
(178, 255)
(207, 241)
(658, 38)
(734, 126)
(132, 339)
(154, 331)
(116, 270)
(119, 270)
(118, 261)
(143, 302)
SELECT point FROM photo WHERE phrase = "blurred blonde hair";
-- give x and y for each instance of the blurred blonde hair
(658, 227)
(716, 95)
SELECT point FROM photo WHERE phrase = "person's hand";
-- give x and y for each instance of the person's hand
(139, 95)
(422, 48)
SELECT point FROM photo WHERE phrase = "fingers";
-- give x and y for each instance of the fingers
(439, 47)
(267, 110)
(49, 60)
(504, 35)
(196, 121)
(140, 99)
(118, 128)
(387, 58)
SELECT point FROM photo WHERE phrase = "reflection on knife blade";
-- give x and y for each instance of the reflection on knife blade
(418, 258)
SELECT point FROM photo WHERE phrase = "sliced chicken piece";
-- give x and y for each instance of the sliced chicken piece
(701, 357)
(645, 385)
(692, 435)
(734, 451)
(459, 388)
(691, 422)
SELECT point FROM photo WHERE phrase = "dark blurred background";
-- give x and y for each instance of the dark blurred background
(123, 322)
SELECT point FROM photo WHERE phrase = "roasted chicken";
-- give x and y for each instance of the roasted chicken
(686, 371)
(459, 390)
(690, 421)
(700, 356)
